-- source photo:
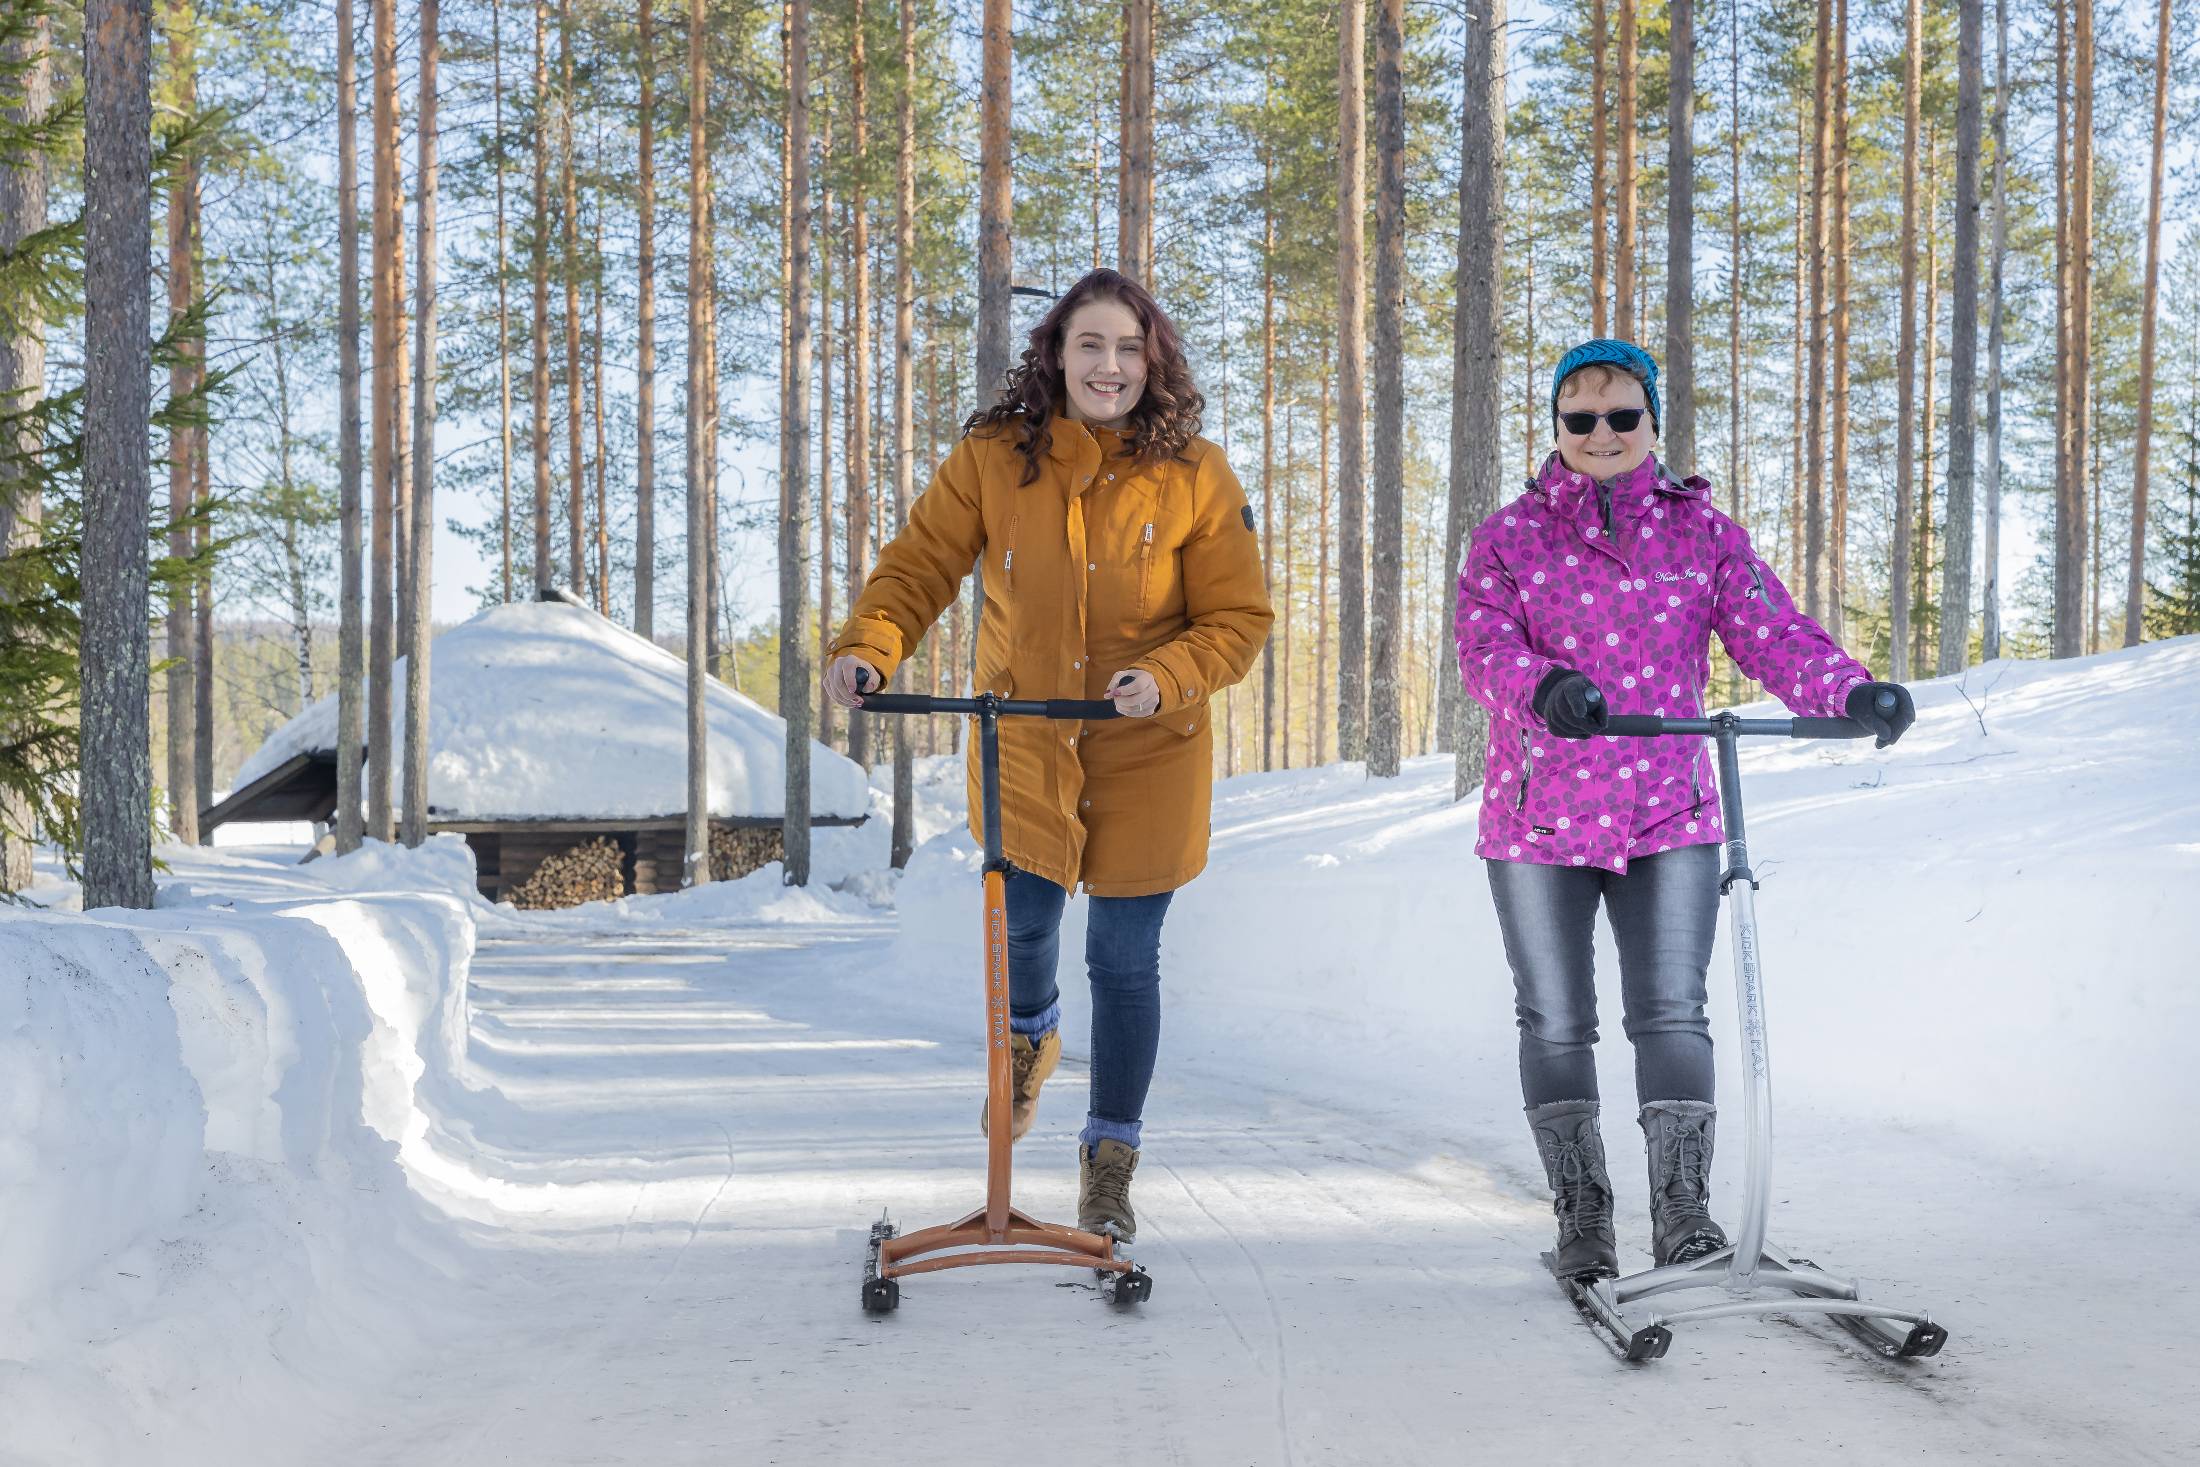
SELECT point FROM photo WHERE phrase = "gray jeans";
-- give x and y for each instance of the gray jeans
(1664, 914)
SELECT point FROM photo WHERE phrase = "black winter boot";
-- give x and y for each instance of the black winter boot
(1678, 1138)
(1572, 1148)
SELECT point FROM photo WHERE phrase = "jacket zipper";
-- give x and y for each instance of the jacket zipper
(1756, 576)
(1008, 559)
(1527, 768)
(1145, 566)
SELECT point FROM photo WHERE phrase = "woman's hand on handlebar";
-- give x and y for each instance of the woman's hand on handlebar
(1884, 708)
(1134, 693)
(847, 677)
(1570, 705)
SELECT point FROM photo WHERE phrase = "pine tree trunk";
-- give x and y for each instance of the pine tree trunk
(1734, 382)
(1287, 612)
(1599, 152)
(1268, 454)
(1680, 241)
(1323, 489)
(1134, 187)
(1990, 549)
(382, 629)
(1387, 640)
(538, 385)
(827, 723)
(796, 670)
(2072, 532)
(400, 410)
(696, 870)
(183, 662)
(1955, 582)
(859, 363)
(504, 306)
(1528, 363)
(1905, 468)
(576, 530)
(904, 838)
(2143, 445)
(1351, 385)
(994, 203)
(1626, 141)
(202, 681)
(117, 789)
(1837, 470)
(421, 583)
(595, 407)
(1477, 359)
(350, 654)
(1813, 532)
(645, 351)
(1803, 321)
(1920, 637)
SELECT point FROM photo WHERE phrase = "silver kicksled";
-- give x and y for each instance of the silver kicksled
(1755, 1278)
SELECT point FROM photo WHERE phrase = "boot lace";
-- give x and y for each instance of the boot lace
(1582, 1202)
(1686, 1161)
(1111, 1184)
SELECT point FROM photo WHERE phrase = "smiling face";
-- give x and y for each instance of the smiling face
(1601, 453)
(1103, 362)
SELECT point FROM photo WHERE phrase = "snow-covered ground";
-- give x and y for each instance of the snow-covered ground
(334, 1163)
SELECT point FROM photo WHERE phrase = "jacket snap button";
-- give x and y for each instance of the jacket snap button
(1090, 566)
(1075, 665)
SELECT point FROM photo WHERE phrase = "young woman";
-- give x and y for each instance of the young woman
(1596, 592)
(1118, 562)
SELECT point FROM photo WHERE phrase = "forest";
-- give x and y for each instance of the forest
(323, 325)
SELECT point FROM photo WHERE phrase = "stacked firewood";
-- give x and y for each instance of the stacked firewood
(590, 872)
(743, 849)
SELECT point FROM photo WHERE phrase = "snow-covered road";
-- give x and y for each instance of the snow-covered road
(697, 1130)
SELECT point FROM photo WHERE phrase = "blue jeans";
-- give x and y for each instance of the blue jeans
(1664, 913)
(1123, 959)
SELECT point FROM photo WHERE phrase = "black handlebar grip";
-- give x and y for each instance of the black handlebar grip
(1831, 728)
(1635, 725)
(1089, 709)
(896, 703)
(1885, 702)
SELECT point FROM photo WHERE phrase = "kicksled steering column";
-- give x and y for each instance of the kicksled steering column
(997, 1232)
(1758, 1278)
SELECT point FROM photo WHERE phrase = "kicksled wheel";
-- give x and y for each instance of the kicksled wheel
(1135, 1287)
(880, 1295)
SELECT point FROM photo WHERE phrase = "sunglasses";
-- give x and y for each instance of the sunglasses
(1622, 420)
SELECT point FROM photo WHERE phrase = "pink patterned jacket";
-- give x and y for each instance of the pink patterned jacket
(1626, 586)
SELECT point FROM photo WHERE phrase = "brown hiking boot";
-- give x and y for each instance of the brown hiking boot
(1104, 1190)
(1028, 1068)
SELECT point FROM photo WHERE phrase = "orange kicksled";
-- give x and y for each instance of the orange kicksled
(997, 1232)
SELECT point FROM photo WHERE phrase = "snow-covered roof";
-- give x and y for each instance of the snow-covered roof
(543, 710)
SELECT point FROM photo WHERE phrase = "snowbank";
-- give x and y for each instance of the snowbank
(543, 710)
(1990, 925)
(203, 1212)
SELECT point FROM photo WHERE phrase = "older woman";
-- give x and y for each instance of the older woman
(1596, 592)
(1119, 562)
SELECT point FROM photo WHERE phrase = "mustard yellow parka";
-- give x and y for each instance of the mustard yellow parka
(1099, 565)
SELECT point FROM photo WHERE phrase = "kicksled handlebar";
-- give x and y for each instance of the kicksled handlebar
(1086, 710)
(1650, 725)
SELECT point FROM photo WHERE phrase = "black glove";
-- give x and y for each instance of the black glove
(1884, 708)
(1569, 704)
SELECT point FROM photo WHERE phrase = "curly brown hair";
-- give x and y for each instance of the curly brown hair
(1163, 420)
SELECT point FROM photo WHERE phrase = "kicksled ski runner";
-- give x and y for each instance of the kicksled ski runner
(1120, 571)
(1603, 585)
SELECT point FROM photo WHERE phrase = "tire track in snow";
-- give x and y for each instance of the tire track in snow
(1275, 1315)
